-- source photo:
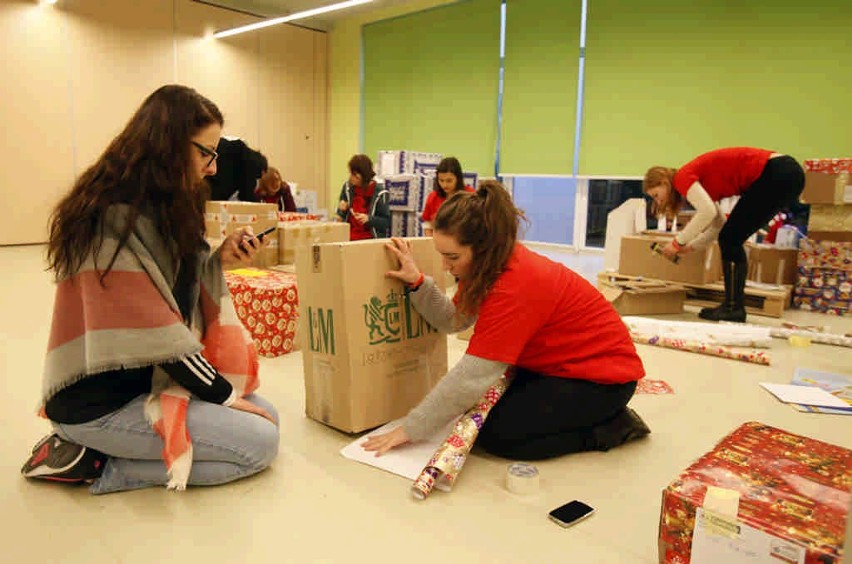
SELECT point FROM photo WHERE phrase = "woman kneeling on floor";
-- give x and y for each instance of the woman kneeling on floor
(143, 328)
(575, 366)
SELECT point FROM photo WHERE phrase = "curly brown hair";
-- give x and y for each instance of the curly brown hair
(146, 167)
(487, 221)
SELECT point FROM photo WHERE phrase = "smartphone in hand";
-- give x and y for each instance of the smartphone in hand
(570, 513)
(259, 237)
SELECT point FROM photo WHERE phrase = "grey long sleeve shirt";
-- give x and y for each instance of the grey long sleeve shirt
(464, 384)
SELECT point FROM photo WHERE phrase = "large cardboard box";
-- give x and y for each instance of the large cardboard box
(368, 356)
(823, 217)
(825, 188)
(295, 236)
(698, 267)
(630, 295)
(771, 265)
(776, 498)
(627, 219)
(222, 218)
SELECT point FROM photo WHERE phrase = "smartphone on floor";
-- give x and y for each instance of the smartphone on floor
(570, 513)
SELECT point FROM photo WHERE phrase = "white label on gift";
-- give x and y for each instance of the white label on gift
(847, 194)
(749, 546)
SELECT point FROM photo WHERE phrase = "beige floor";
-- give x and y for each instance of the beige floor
(315, 506)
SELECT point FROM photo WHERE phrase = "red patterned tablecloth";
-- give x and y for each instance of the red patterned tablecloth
(267, 303)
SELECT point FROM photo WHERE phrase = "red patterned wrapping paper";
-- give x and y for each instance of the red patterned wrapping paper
(447, 462)
(828, 166)
(267, 303)
(297, 216)
(792, 487)
(825, 254)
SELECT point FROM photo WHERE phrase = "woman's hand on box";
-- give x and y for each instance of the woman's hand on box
(380, 444)
(240, 248)
(408, 271)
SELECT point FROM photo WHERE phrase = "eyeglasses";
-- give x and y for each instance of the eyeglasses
(206, 152)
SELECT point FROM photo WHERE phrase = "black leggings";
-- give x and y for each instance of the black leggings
(546, 416)
(778, 186)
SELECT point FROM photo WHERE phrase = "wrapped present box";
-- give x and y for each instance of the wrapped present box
(827, 181)
(390, 163)
(267, 304)
(405, 224)
(781, 498)
(828, 166)
(824, 282)
(825, 254)
(404, 192)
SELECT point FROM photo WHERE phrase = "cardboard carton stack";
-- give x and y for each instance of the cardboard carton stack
(300, 236)
(407, 176)
(368, 355)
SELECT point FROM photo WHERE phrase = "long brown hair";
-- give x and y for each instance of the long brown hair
(453, 166)
(146, 167)
(655, 176)
(487, 221)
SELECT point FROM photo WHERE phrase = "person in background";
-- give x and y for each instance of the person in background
(139, 297)
(575, 366)
(449, 179)
(238, 169)
(364, 202)
(766, 182)
(271, 189)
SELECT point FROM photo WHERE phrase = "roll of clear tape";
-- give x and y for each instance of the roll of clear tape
(522, 478)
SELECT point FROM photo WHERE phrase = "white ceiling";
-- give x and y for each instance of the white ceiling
(274, 8)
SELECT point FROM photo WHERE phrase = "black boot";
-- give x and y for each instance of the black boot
(733, 308)
(625, 426)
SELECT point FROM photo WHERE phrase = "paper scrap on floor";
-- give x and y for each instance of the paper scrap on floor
(407, 460)
(838, 385)
(805, 395)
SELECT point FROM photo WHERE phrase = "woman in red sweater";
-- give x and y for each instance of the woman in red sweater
(574, 364)
(449, 179)
(766, 183)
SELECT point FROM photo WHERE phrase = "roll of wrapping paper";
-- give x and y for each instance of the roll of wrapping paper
(446, 464)
(754, 356)
(815, 337)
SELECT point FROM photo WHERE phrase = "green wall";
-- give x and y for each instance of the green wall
(432, 83)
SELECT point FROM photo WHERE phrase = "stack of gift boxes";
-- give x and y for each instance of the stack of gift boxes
(409, 177)
(824, 281)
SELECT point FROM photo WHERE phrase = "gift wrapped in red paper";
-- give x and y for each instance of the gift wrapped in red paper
(828, 166)
(267, 303)
(792, 489)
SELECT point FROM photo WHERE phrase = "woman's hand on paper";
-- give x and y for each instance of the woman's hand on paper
(408, 271)
(239, 248)
(386, 441)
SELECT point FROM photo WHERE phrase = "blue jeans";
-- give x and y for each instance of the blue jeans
(227, 445)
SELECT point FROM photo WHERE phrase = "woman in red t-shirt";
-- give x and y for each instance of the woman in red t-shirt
(449, 179)
(363, 202)
(574, 364)
(766, 183)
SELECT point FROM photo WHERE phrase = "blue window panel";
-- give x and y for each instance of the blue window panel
(548, 203)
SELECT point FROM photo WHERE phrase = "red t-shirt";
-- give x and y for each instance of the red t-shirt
(360, 203)
(541, 316)
(723, 172)
(433, 203)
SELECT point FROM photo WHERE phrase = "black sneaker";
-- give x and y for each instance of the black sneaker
(61, 461)
(624, 427)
